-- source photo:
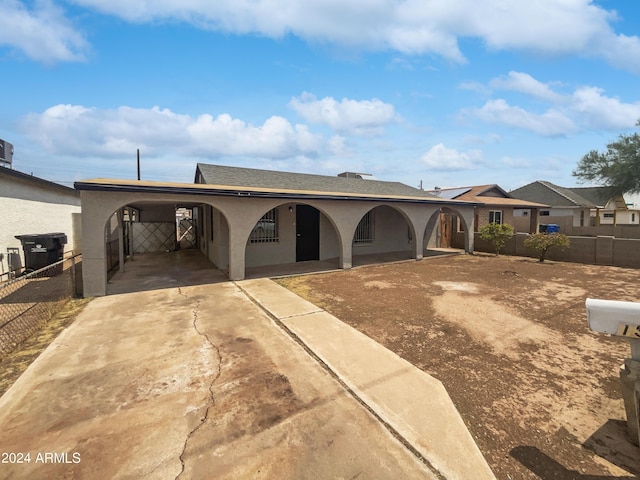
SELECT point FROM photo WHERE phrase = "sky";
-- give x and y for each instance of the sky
(444, 93)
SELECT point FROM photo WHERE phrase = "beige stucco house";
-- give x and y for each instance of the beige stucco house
(249, 217)
(32, 205)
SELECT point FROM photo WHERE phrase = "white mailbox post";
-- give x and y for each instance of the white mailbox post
(622, 319)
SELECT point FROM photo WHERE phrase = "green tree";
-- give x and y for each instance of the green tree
(496, 234)
(618, 168)
(542, 242)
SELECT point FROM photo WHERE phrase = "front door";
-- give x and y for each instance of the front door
(307, 233)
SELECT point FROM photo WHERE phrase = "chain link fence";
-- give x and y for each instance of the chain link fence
(29, 301)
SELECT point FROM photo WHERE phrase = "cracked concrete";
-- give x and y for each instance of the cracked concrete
(126, 384)
(216, 376)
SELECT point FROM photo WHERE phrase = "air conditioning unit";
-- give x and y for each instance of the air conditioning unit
(6, 152)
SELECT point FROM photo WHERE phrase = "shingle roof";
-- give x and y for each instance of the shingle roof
(554, 195)
(597, 195)
(477, 194)
(251, 177)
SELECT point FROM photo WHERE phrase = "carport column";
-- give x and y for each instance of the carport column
(237, 246)
(94, 258)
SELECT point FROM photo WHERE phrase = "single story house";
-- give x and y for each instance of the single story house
(249, 217)
(578, 206)
(32, 205)
(493, 205)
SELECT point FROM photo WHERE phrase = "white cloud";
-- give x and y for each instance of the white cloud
(525, 83)
(550, 27)
(584, 108)
(337, 146)
(599, 111)
(359, 117)
(440, 157)
(42, 33)
(477, 87)
(76, 130)
(549, 124)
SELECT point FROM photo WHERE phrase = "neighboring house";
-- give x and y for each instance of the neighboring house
(32, 205)
(248, 217)
(578, 206)
(609, 210)
(494, 205)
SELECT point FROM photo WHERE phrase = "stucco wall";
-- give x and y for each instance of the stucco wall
(390, 235)
(30, 209)
(329, 243)
(282, 251)
(242, 213)
(158, 213)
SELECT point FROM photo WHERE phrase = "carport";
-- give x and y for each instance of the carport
(240, 222)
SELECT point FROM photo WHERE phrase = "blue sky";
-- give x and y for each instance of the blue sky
(447, 92)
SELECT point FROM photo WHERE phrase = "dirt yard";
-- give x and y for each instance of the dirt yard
(508, 337)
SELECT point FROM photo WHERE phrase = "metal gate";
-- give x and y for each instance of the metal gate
(187, 233)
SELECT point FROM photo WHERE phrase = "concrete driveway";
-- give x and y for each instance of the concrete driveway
(188, 378)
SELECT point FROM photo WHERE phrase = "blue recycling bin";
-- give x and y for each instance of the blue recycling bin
(553, 228)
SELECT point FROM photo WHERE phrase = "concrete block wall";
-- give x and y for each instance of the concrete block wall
(626, 252)
(603, 250)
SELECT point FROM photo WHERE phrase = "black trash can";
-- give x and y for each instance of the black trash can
(42, 249)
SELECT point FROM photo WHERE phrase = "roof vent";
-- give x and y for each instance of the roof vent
(437, 190)
(353, 175)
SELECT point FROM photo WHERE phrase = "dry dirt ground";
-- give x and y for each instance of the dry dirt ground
(13, 364)
(508, 337)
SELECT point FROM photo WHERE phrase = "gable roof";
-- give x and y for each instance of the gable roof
(491, 195)
(302, 182)
(554, 195)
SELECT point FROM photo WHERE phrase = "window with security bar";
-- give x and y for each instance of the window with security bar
(266, 230)
(364, 230)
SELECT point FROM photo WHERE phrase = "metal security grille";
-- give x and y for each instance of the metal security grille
(266, 230)
(364, 230)
(187, 233)
(152, 237)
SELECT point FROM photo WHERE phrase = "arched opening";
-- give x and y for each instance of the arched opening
(151, 244)
(446, 231)
(382, 235)
(291, 238)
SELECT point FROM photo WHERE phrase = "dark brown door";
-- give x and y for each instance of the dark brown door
(307, 233)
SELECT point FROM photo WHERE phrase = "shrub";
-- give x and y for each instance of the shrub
(541, 242)
(497, 234)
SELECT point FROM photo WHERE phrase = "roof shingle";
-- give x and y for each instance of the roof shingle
(251, 177)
